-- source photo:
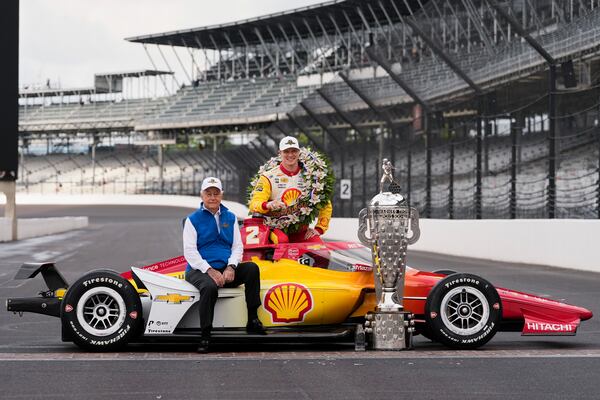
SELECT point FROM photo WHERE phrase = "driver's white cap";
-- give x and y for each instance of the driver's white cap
(289, 142)
(211, 181)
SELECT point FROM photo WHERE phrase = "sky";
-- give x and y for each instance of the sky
(67, 41)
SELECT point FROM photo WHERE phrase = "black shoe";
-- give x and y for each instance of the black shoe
(255, 327)
(203, 347)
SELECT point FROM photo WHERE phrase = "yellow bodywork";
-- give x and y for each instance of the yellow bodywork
(334, 295)
(296, 294)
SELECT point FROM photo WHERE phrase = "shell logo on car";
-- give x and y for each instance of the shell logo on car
(290, 196)
(288, 302)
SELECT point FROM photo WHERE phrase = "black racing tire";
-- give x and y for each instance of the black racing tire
(463, 311)
(101, 311)
(444, 272)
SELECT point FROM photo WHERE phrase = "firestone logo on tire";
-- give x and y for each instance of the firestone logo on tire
(288, 302)
(109, 281)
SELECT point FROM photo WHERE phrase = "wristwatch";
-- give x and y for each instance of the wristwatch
(232, 266)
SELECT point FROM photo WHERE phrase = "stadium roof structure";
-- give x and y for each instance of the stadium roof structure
(356, 61)
(96, 89)
(314, 20)
(56, 92)
(134, 74)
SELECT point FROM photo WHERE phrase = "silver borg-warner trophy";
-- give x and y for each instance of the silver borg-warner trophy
(388, 219)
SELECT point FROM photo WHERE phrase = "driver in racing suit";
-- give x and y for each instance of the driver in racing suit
(278, 190)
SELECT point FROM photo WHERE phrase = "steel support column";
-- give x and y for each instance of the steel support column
(405, 86)
(346, 45)
(478, 166)
(366, 99)
(276, 42)
(317, 44)
(266, 49)
(428, 172)
(259, 151)
(280, 129)
(552, 139)
(341, 113)
(552, 150)
(250, 157)
(514, 127)
(362, 134)
(9, 101)
(306, 132)
(598, 138)
(451, 180)
(242, 66)
(438, 50)
(289, 43)
(264, 144)
(409, 163)
(272, 136)
(323, 126)
(258, 67)
(400, 82)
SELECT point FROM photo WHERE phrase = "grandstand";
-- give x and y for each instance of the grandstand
(488, 109)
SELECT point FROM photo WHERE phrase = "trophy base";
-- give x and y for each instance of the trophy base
(390, 330)
(387, 303)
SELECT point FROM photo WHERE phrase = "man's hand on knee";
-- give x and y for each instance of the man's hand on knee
(216, 276)
(229, 274)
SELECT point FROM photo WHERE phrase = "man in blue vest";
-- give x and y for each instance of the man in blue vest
(213, 248)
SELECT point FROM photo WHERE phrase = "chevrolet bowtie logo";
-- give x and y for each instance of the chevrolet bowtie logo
(173, 298)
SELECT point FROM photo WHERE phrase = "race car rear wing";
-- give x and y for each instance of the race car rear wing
(47, 304)
(54, 279)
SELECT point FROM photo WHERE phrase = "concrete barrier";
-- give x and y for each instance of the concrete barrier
(5, 229)
(564, 243)
(34, 227)
(558, 243)
(191, 202)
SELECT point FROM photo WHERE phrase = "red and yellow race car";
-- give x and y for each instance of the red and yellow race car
(309, 291)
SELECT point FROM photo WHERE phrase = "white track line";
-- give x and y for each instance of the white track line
(289, 356)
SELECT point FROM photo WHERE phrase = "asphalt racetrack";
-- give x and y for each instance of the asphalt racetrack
(35, 364)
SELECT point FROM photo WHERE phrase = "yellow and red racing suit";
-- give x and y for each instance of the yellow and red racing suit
(281, 184)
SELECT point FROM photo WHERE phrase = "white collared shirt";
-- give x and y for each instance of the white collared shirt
(190, 247)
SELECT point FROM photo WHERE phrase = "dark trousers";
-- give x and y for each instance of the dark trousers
(246, 273)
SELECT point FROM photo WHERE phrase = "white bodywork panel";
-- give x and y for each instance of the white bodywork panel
(173, 304)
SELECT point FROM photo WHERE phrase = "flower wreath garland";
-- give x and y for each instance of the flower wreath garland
(320, 184)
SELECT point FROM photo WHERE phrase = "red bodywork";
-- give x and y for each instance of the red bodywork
(532, 314)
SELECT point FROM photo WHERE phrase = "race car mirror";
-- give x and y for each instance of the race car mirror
(388, 219)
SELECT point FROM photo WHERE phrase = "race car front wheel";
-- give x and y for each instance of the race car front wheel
(101, 311)
(463, 311)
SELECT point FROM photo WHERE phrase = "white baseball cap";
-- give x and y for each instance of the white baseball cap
(211, 181)
(289, 142)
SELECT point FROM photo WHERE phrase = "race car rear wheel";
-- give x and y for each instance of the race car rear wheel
(463, 311)
(101, 311)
